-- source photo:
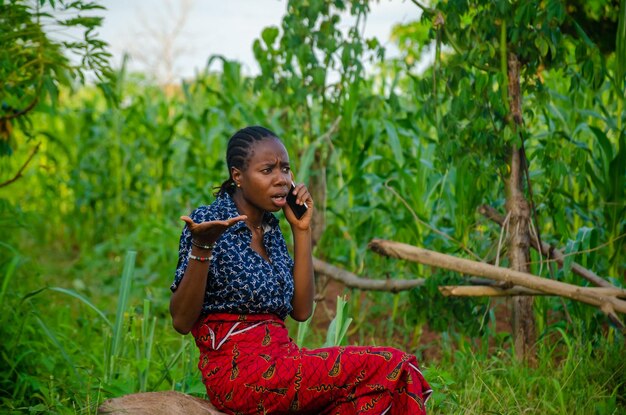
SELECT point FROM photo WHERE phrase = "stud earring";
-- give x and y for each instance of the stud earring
(238, 185)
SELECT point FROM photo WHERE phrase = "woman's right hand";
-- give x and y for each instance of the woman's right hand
(207, 233)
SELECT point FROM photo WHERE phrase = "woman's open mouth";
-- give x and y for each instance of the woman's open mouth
(280, 199)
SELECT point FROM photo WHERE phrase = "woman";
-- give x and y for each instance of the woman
(235, 284)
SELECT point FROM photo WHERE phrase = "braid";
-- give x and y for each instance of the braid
(238, 152)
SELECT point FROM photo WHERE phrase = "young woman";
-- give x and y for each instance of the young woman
(235, 284)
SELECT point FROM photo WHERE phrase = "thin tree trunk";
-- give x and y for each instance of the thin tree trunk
(524, 331)
(317, 187)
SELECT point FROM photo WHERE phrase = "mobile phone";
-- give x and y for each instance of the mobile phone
(297, 209)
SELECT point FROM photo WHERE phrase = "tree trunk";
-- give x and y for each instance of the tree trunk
(317, 187)
(524, 331)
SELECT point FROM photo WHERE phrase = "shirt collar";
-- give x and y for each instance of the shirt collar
(227, 209)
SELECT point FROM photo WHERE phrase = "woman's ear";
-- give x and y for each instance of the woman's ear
(235, 173)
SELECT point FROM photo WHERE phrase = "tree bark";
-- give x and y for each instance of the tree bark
(524, 330)
(317, 187)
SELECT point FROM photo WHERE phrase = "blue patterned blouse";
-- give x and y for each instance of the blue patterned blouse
(240, 279)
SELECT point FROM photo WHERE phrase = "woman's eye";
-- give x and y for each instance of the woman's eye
(266, 171)
(286, 169)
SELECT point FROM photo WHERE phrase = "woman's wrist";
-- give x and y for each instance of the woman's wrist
(202, 244)
(295, 229)
(201, 259)
(195, 250)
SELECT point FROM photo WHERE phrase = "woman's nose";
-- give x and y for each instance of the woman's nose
(283, 178)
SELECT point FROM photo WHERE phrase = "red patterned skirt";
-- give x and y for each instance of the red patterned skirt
(250, 366)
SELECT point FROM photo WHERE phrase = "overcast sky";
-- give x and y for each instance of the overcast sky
(224, 27)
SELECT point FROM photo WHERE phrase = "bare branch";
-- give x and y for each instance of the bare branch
(354, 281)
(21, 170)
(161, 43)
(491, 291)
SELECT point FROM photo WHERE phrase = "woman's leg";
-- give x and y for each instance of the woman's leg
(251, 367)
(363, 380)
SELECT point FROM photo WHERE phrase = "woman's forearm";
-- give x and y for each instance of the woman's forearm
(304, 284)
(186, 302)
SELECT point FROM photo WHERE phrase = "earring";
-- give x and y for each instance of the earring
(238, 185)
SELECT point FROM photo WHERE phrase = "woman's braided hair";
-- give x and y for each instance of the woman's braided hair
(238, 152)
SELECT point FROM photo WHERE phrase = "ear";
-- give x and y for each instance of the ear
(235, 173)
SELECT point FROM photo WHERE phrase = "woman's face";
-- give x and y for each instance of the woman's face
(266, 179)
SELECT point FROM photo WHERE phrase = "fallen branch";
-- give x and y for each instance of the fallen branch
(491, 291)
(354, 281)
(608, 304)
(484, 291)
(549, 250)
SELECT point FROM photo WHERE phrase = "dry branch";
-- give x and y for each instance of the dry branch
(354, 281)
(549, 250)
(491, 291)
(608, 304)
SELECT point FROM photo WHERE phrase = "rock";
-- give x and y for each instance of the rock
(157, 403)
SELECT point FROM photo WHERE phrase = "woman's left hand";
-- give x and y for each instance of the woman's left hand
(302, 197)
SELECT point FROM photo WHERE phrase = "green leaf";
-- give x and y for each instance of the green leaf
(8, 276)
(57, 343)
(122, 305)
(303, 328)
(269, 35)
(307, 159)
(603, 140)
(394, 142)
(570, 251)
(338, 327)
(617, 174)
(542, 45)
(84, 300)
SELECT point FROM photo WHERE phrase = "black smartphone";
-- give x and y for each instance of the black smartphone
(297, 209)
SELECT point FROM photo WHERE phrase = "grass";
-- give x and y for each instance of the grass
(68, 348)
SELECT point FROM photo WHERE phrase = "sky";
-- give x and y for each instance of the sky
(143, 28)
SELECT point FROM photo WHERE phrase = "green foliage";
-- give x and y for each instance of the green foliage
(406, 156)
(620, 50)
(35, 56)
(335, 336)
(465, 315)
